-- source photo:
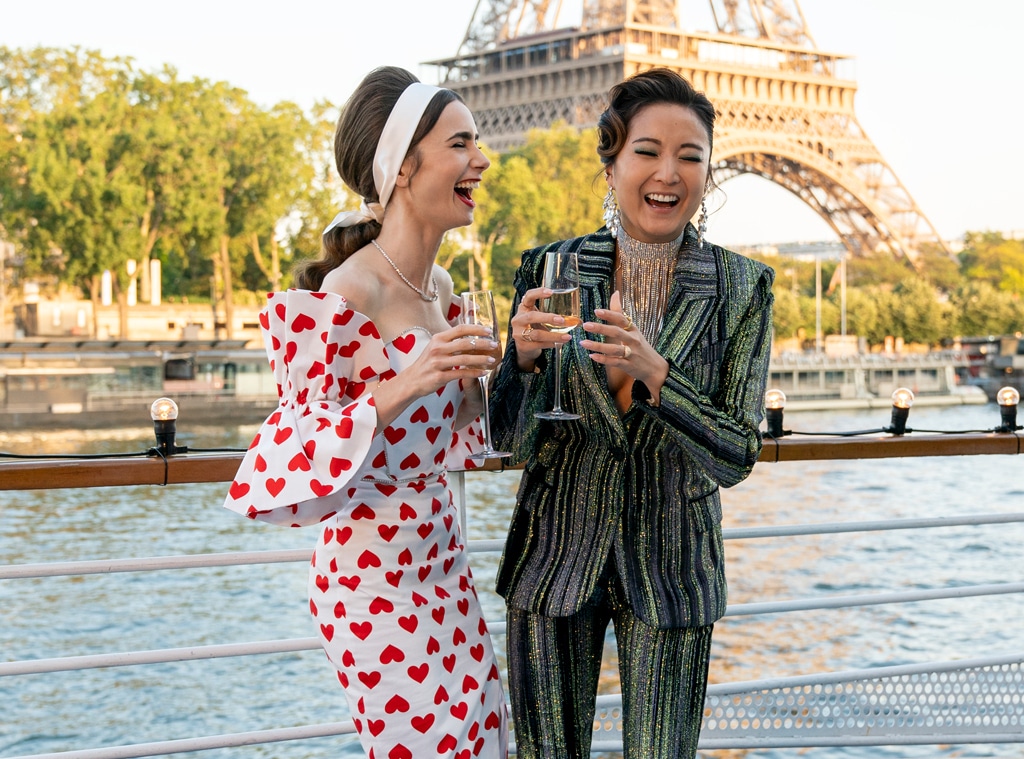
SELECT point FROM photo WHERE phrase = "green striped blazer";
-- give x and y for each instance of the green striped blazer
(640, 490)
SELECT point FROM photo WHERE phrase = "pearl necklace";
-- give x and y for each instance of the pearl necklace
(429, 298)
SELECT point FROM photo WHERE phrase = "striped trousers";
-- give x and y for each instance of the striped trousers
(554, 664)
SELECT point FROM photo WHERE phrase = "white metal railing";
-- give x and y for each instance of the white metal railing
(980, 700)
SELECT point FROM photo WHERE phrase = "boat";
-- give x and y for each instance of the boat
(60, 382)
(54, 383)
(818, 381)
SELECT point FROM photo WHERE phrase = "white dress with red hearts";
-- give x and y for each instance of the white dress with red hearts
(390, 586)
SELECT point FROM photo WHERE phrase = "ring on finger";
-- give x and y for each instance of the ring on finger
(626, 351)
(528, 334)
(472, 340)
(629, 324)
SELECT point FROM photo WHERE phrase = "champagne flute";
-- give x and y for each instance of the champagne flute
(478, 308)
(562, 277)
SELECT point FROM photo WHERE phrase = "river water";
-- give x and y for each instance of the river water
(169, 609)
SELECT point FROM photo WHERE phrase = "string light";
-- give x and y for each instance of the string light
(774, 403)
(1008, 398)
(164, 413)
(902, 400)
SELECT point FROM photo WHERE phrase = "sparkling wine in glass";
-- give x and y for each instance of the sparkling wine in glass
(562, 277)
(478, 308)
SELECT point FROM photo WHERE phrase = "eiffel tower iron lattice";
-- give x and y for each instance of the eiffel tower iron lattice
(785, 108)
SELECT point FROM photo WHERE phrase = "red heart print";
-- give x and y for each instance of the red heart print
(361, 630)
(275, 486)
(440, 695)
(433, 646)
(432, 554)
(424, 572)
(448, 565)
(348, 659)
(409, 623)
(420, 415)
(349, 350)
(323, 583)
(350, 582)
(264, 320)
(281, 434)
(369, 679)
(493, 674)
(368, 559)
(343, 535)
(369, 329)
(423, 723)
(438, 614)
(394, 434)
(448, 520)
(390, 654)
(320, 489)
(460, 710)
(419, 486)
(290, 349)
(312, 608)
(238, 489)
(393, 578)
(322, 423)
(477, 651)
(385, 489)
(343, 317)
(380, 460)
(302, 322)
(299, 461)
(469, 684)
(449, 662)
(328, 632)
(458, 637)
(405, 557)
(376, 726)
(381, 606)
(260, 464)
(432, 433)
(425, 529)
(492, 722)
(387, 531)
(448, 743)
(338, 466)
(419, 600)
(449, 411)
(463, 604)
(362, 511)
(339, 610)
(411, 461)
(279, 309)
(343, 429)
(316, 369)
(405, 342)
(405, 511)
(310, 448)
(419, 674)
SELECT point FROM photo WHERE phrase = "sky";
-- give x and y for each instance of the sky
(940, 82)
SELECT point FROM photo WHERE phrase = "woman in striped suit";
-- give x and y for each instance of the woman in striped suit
(618, 516)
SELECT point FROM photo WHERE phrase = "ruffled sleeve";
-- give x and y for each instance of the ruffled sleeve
(470, 438)
(326, 359)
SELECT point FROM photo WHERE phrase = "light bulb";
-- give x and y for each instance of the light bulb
(775, 399)
(774, 402)
(1008, 396)
(163, 410)
(902, 397)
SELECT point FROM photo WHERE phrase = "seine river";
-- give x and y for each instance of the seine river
(171, 609)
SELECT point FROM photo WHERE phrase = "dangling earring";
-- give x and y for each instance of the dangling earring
(611, 213)
(702, 224)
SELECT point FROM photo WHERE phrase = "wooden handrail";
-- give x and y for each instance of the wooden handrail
(49, 474)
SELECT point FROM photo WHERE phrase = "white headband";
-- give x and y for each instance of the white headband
(391, 151)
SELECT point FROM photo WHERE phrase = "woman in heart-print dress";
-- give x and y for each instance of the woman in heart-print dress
(376, 404)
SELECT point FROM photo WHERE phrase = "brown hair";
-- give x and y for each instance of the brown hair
(355, 142)
(627, 98)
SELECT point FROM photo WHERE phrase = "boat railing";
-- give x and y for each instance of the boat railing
(970, 700)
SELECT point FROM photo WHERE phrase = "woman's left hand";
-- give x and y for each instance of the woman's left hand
(624, 347)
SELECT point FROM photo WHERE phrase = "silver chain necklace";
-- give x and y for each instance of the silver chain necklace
(433, 282)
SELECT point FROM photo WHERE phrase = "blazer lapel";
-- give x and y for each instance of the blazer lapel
(694, 300)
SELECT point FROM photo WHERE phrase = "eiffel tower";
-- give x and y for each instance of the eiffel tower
(785, 108)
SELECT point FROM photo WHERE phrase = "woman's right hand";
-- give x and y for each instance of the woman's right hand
(528, 330)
